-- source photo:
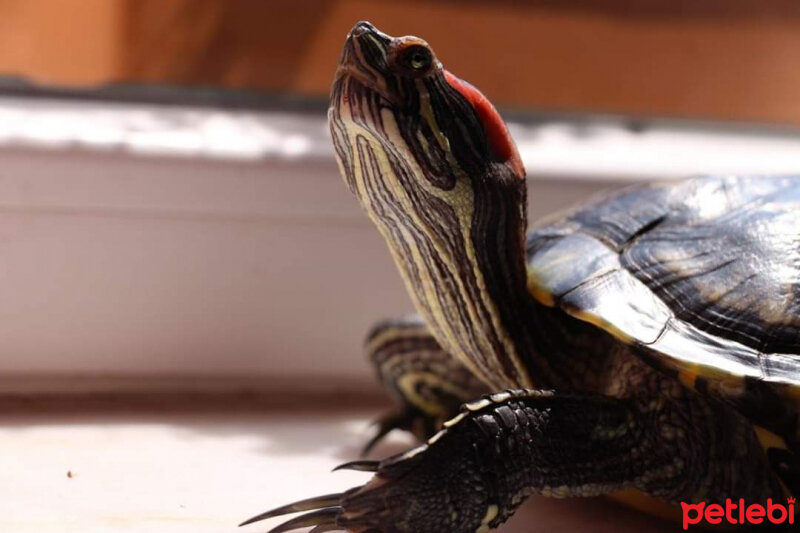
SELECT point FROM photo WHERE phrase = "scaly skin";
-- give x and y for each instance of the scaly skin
(428, 384)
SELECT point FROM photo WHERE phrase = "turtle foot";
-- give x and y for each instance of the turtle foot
(434, 487)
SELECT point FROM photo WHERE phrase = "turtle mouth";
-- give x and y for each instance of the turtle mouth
(362, 66)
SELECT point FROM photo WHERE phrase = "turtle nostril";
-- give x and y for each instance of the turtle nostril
(361, 28)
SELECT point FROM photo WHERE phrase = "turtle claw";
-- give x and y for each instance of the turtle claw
(360, 466)
(409, 419)
(319, 518)
(325, 527)
(386, 424)
(379, 505)
(329, 502)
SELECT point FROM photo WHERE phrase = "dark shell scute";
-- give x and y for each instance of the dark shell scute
(735, 272)
(704, 273)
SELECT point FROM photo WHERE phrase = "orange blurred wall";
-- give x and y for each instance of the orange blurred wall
(734, 59)
(72, 42)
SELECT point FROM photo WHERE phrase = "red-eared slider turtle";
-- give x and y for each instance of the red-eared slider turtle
(648, 341)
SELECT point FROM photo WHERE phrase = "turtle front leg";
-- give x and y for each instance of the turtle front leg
(474, 474)
(427, 383)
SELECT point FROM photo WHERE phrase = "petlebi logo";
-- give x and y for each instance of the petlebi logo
(738, 513)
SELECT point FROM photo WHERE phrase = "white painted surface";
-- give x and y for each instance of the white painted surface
(142, 240)
(203, 473)
(115, 264)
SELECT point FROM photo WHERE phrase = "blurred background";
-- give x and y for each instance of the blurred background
(170, 212)
(717, 59)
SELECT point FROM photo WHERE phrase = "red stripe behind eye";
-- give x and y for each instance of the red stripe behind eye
(499, 139)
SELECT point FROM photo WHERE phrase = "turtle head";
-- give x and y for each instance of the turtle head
(396, 93)
(434, 166)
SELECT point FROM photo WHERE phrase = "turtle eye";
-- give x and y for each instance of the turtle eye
(416, 58)
(411, 57)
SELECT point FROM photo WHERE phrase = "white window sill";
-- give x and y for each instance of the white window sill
(184, 469)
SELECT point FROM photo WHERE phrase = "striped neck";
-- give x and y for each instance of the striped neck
(434, 166)
(459, 249)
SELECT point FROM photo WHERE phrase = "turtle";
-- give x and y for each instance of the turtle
(644, 344)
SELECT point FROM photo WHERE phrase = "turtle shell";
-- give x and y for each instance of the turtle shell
(702, 276)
